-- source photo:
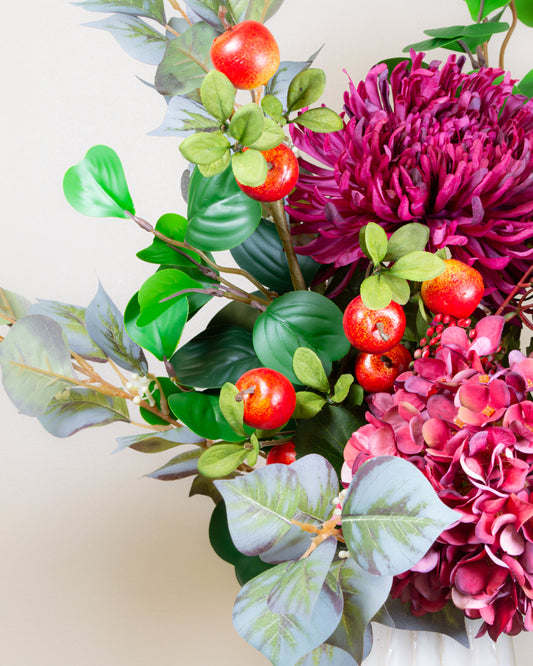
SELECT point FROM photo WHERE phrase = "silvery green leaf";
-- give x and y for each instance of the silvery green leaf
(207, 10)
(71, 318)
(155, 442)
(105, 325)
(183, 117)
(262, 10)
(180, 467)
(326, 655)
(392, 516)
(35, 361)
(153, 9)
(73, 409)
(12, 306)
(136, 37)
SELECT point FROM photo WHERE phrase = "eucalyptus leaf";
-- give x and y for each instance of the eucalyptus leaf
(156, 442)
(204, 147)
(12, 306)
(249, 168)
(408, 238)
(278, 86)
(375, 292)
(320, 119)
(136, 37)
(375, 241)
(247, 124)
(73, 409)
(306, 88)
(105, 325)
(97, 187)
(153, 9)
(232, 409)
(417, 266)
(221, 459)
(392, 516)
(262, 10)
(35, 362)
(326, 655)
(180, 467)
(309, 370)
(218, 95)
(308, 404)
(183, 117)
(200, 412)
(207, 10)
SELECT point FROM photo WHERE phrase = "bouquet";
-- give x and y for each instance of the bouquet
(356, 404)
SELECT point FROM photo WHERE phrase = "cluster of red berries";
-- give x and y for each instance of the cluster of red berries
(430, 344)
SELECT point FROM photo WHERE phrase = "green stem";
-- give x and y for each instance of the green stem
(280, 220)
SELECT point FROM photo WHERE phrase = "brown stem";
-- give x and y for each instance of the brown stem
(522, 283)
(280, 220)
(176, 6)
(171, 29)
(322, 532)
(509, 34)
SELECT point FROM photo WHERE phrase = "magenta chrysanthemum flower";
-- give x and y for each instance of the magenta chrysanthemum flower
(437, 146)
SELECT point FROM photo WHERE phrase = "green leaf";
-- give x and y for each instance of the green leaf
(375, 292)
(524, 9)
(158, 441)
(200, 412)
(326, 655)
(417, 266)
(160, 336)
(271, 137)
(525, 87)
(247, 124)
(249, 168)
(220, 460)
(180, 467)
(186, 61)
(35, 362)
(488, 7)
(461, 31)
(375, 241)
(408, 238)
(173, 226)
(263, 256)
(254, 453)
(278, 86)
(218, 95)
(232, 409)
(97, 187)
(136, 37)
(183, 116)
(309, 370)
(399, 287)
(12, 306)
(342, 388)
(168, 388)
(321, 119)
(202, 486)
(73, 409)
(216, 167)
(105, 325)
(262, 10)
(204, 147)
(160, 292)
(217, 355)
(299, 319)
(305, 89)
(220, 215)
(153, 9)
(391, 516)
(272, 106)
(308, 404)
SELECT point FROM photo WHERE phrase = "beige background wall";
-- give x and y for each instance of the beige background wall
(97, 564)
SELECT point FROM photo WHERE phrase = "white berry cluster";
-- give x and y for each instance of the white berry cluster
(337, 511)
(140, 386)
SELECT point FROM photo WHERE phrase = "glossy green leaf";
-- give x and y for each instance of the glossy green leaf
(263, 256)
(186, 60)
(220, 215)
(320, 119)
(200, 412)
(156, 442)
(173, 226)
(342, 388)
(375, 242)
(475, 30)
(184, 116)
(391, 516)
(204, 147)
(247, 124)
(417, 266)
(221, 459)
(74, 409)
(299, 319)
(525, 87)
(35, 362)
(306, 88)
(375, 292)
(309, 370)
(408, 238)
(308, 404)
(12, 306)
(97, 187)
(399, 287)
(160, 336)
(105, 325)
(153, 9)
(162, 291)
(218, 95)
(249, 168)
(180, 467)
(232, 409)
(271, 137)
(272, 106)
(524, 9)
(262, 10)
(136, 37)
(217, 355)
(488, 6)
(168, 387)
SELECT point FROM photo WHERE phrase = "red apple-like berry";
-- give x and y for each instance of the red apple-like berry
(457, 291)
(281, 177)
(378, 372)
(268, 396)
(247, 54)
(373, 331)
(285, 454)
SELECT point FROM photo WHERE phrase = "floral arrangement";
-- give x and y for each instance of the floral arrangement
(358, 409)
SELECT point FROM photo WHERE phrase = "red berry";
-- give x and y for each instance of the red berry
(247, 54)
(285, 454)
(378, 372)
(268, 396)
(373, 331)
(457, 291)
(281, 177)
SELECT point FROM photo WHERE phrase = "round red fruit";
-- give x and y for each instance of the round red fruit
(373, 331)
(457, 291)
(378, 372)
(268, 396)
(284, 454)
(247, 54)
(281, 177)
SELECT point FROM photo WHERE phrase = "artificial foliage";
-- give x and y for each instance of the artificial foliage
(409, 505)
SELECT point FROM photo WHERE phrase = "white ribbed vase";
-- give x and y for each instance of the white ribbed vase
(393, 647)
